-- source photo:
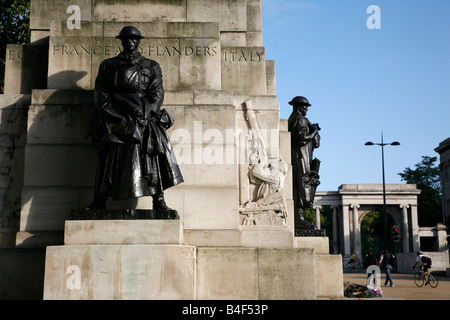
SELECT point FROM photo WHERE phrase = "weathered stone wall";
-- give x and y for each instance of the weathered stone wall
(13, 128)
(234, 16)
(212, 59)
(26, 67)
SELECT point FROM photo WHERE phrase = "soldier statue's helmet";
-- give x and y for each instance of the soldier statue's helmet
(299, 100)
(130, 31)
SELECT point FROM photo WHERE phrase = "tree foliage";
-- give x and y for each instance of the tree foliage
(372, 226)
(14, 28)
(326, 221)
(427, 177)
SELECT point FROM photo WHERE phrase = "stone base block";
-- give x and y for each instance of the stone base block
(329, 276)
(227, 273)
(128, 272)
(267, 237)
(212, 238)
(287, 274)
(255, 273)
(85, 232)
(120, 272)
(320, 244)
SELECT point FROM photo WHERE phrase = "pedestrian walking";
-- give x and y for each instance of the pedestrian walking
(386, 261)
(371, 259)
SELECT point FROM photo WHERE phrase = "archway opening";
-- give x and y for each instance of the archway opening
(372, 232)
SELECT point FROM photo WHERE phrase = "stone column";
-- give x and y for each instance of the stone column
(405, 233)
(415, 228)
(346, 229)
(317, 218)
(442, 237)
(335, 230)
(356, 232)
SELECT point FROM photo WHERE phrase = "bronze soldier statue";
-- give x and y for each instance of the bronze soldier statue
(304, 139)
(129, 128)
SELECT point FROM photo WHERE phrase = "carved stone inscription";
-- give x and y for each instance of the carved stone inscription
(241, 56)
(188, 63)
(150, 51)
(80, 50)
(158, 51)
(15, 53)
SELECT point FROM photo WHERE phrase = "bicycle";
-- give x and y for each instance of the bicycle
(419, 278)
(350, 266)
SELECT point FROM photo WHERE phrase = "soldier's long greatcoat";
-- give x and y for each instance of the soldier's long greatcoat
(303, 143)
(129, 128)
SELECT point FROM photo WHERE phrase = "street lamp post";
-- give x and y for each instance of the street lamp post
(382, 144)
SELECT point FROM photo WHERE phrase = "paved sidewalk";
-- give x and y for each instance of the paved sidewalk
(404, 287)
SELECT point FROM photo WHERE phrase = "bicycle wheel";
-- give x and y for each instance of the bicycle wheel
(418, 279)
(433, 280)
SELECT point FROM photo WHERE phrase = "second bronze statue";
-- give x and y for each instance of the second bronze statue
(304, 139)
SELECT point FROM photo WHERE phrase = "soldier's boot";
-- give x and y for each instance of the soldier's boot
(159, 203)
(161, 210)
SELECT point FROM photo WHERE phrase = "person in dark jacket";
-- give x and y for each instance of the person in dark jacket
(386, 260)
(371, 259)
(129, 128)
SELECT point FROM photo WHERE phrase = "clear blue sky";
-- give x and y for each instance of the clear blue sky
(361, 82)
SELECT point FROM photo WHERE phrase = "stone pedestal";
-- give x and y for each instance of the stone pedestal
(267, 274)
(126, 272)
(267, 236)
(180, 272)
(146, 259)
(120, 259)
(121, 232)
(328, 272)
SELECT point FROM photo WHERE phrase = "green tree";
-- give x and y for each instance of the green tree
(427, 177)
(325, 221)
(14, 28)
(372, 226)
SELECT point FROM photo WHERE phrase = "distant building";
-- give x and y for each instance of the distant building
(444, 152)
(352, 202)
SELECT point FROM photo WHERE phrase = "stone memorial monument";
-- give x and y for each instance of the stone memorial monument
(213, 116)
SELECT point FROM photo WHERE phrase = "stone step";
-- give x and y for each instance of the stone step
(87, 232)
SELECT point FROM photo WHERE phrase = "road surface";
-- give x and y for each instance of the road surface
(405, 288)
